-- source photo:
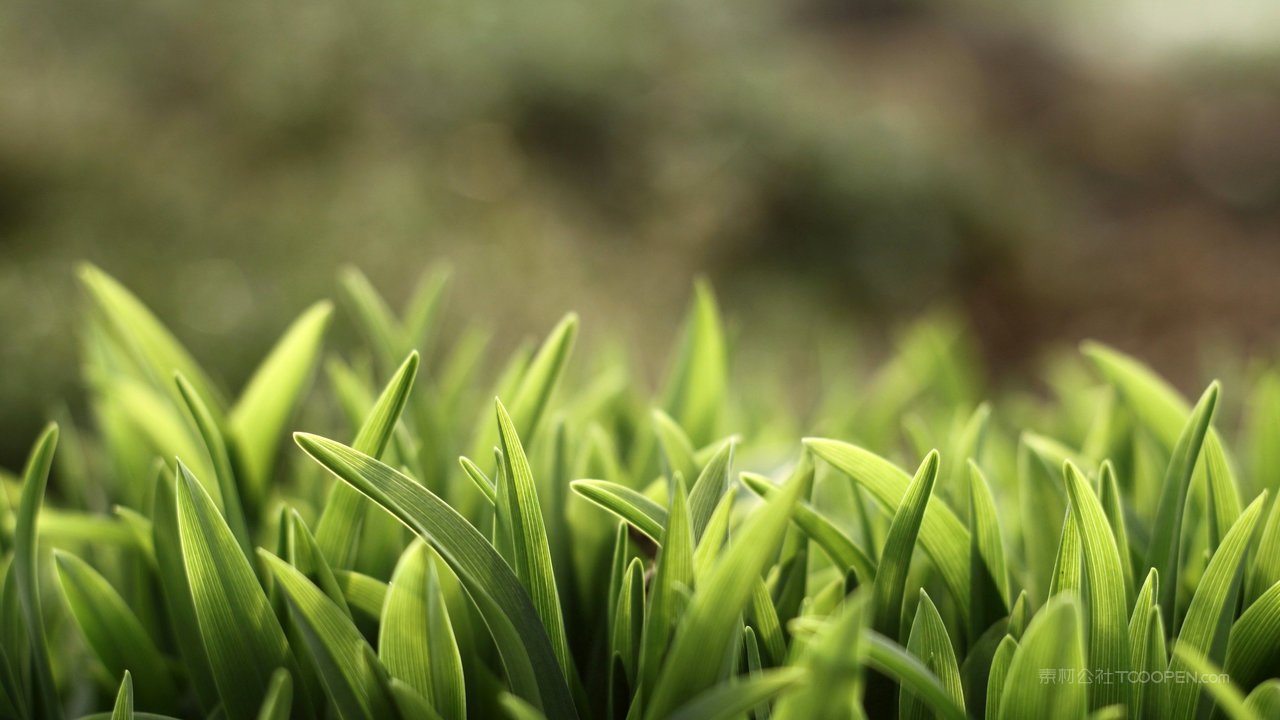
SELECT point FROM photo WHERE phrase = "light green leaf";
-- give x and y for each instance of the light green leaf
(124, 700)
(1213, 605)
(528, 655)
(942, 535)
(673, 579)
(889, 658)
(481, 481)
(540, 380)
(35, 477)
(1253, 650)
(364, 594)
(215, 445)
(258, 419)
(338, 530)
(1265, 699)
(279, 700)
(989, 576)
(895, 559)
(646, 515)
(1052, 643)
(930, 642)
(113, 631)
(1105, 621)
(731, 699)
(709, 487)
(998, 675)
(698, 379)
(334, 643)
(711, 622)
(1216, 683)
(416, 641)
(677, 448)
(243, 638)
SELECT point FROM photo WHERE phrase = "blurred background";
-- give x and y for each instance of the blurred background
(1047, 172)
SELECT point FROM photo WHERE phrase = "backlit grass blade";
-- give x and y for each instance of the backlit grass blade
(528, 655)
(1144, 609)
(833, 659)
(279, 699)
(1265, 699)
(35, 477)
(1105, 621)
(646, 515)
(733, 698)
(529, 536)
(364, 594)
(1264, 570)
(479, 479)
(124, 700)
(988, 574)
(929, 641)
(303, 552)
(220, 461)
(942, 535)
(998, 675)
(709, 487)
(243, 638)
(711, 622)
(137, 329)
(334, 644)
(374, 318)
(697, 381)
(677, 448)
(415, 639)
(540, 380)
(715, 534)
(338, 530)
(1068, 565)
(673, 580)
(1109, 496)
(1216, 684)
(895, 559)
(257, 422)
(113, 632)
(1052, 644)
(1253, 649)
(891, 659)
(834, 542)
(1213, 605)
(626, 632)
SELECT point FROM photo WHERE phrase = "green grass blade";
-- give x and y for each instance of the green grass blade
(842, 550)
(374, 318)
(334, 644)
(715, 534)
(1105, 620)
(482, 482)
(35, 477)
(731, 699)
(1215, 683)
(942, 535)
(278, 702)
(1265, 699)
(533, 395)
(646, 515)
(528, 655)
(998, 675)
(988, 574)
(257, 421)
(215, 445)
(708, 488)
(906, 669)
(340, 524)
(364, 594)
(1109, 495)
(676, 446)
(930, 642)
(124, 699)
(1213, 605)
(416, 641)
(833, 658)
(711, 622)
(228, 601)
(1052, 644)
(1067, 566)
(899, 544)
(673, 580)
(113, 631)
(529, 535)
(698, 379)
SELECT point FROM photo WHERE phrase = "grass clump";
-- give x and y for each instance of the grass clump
(577, 549)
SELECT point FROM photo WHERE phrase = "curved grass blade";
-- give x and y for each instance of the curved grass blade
(676, 446)
(998, 675)
(1213, 605)
(363, 593)
(373, 317)
(833, 659)
(673, 580)
(889, 658)
(731, 699)
(1109, 495)
(334, 643)
(1216, 683)
(279, 700)
(711, 621)
(532, 551)
(930, 642)
(715, 535)
(416, 641)
(35, 477)
(1052, 641)
(708, 488)
(988, 574)
(482, 481)
(1253, 648)
(338, 530)
(113, 631)
(243, 638)
(644, 514)
(220, 460)
(941, 534)
(258, 419)
(698, 378)
(540, 380)
(895, 559)
(842, 550)
(1265, 699)
(124, 699)
(1105, 621)
(528, 656)
(1144, 609)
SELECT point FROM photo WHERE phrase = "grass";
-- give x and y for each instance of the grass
(577, 548)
